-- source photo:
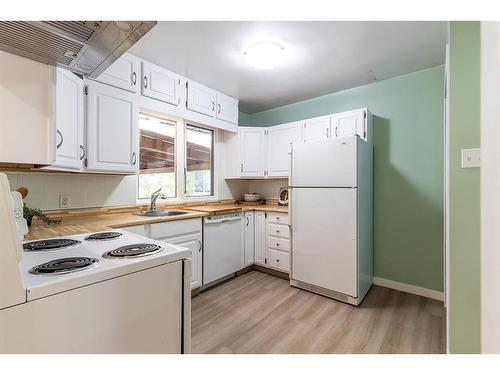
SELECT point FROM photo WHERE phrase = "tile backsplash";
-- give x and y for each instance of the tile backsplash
(84, 190)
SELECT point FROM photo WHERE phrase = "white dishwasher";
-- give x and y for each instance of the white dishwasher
(223, 252)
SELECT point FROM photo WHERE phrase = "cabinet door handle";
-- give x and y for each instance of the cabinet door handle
(336, 131)
(213, 106)
(248, 221)
(199, 245)
(134, 78)
(145, 82)
(82, 156)
(218, 105)
(241, 167)
(277, 244)
(62, 139)
(327, 133)
(134, 158)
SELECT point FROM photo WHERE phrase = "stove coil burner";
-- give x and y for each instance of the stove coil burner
(51, 244)
(103, 236)
(133, 251)
(64, 265)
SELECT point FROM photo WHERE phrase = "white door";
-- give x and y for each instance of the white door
(324, 239)
(279, 141)
(123, 73)
(328, 163)
(347, 124)
(193, 243)
(70, 117)
(200, 98)
(160, 84)
(260, 238)
(227, 108)
(316, 128)
(252, 152)
(249, 238)
(112, 127)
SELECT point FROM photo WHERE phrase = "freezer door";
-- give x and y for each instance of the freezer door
(324, 238)
(324, 163)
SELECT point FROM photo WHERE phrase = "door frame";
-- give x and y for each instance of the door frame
(490, 182)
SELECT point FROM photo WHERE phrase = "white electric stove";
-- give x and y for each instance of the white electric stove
(54, 265)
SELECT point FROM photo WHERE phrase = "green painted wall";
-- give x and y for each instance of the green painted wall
(408, 174)
(464, 320)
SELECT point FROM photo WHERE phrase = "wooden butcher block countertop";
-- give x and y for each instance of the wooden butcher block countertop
(80, 221)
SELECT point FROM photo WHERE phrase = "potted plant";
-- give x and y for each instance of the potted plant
(29, 213)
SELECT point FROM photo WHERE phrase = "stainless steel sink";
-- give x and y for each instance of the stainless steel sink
(161, 213)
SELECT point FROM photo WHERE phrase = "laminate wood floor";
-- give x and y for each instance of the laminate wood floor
(260, 313)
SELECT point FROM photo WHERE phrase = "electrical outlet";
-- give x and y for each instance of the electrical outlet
(64, 201)
(471, 158)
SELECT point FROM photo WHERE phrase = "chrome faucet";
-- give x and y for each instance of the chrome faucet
(157, 194)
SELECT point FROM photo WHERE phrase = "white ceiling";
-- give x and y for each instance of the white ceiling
(322, 57)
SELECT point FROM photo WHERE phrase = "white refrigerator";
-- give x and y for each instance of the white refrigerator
(330, 214)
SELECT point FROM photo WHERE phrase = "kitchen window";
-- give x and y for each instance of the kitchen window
(157, 156)
(199, 161)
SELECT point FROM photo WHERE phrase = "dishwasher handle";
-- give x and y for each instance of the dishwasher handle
(222, 219)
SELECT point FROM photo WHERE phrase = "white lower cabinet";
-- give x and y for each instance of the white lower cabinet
(260, 238)
(186, 233)
(112, 129)
(279, 260)
(278, 241)
(249, 238)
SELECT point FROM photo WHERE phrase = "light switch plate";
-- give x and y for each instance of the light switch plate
(64, 201)
(471, 158)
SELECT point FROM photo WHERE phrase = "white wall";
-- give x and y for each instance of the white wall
(84, 190)
(268, 189)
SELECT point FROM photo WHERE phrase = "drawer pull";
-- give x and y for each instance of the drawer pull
(277, 244)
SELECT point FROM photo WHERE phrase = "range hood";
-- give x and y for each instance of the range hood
(84, 47)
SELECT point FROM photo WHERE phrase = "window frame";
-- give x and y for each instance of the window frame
(212, 162)
(181, 161)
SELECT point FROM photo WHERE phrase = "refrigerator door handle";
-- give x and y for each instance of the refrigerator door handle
(290, 207)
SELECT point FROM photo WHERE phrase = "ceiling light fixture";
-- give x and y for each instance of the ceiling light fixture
(264, 55)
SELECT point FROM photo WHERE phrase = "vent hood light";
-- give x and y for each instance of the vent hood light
(264, 55)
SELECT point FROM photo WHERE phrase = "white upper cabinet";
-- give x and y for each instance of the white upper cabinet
(201, 98)
(70, 117)
(112, 129)
(350, 123)
(227, 108)
(316, 128)
(252, 151)
(160, 84)
(124, 73)
(279, 140)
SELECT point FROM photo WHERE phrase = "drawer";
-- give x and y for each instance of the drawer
(174, 228)
(136, 229)
(278, 243)
(277, 218)
(278, 230)
(279, 260)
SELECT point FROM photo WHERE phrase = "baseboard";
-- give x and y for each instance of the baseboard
(419, 291)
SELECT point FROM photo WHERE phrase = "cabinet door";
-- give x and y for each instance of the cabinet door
(316, 129)
(249, 238)
(252, 152)
(160, 84)
(70, 147)
(195, 245)
(123, 73)
(227, 108)
(279, 140)
(350, 123)
(200, 98)
(260, 238)
(112, 127)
